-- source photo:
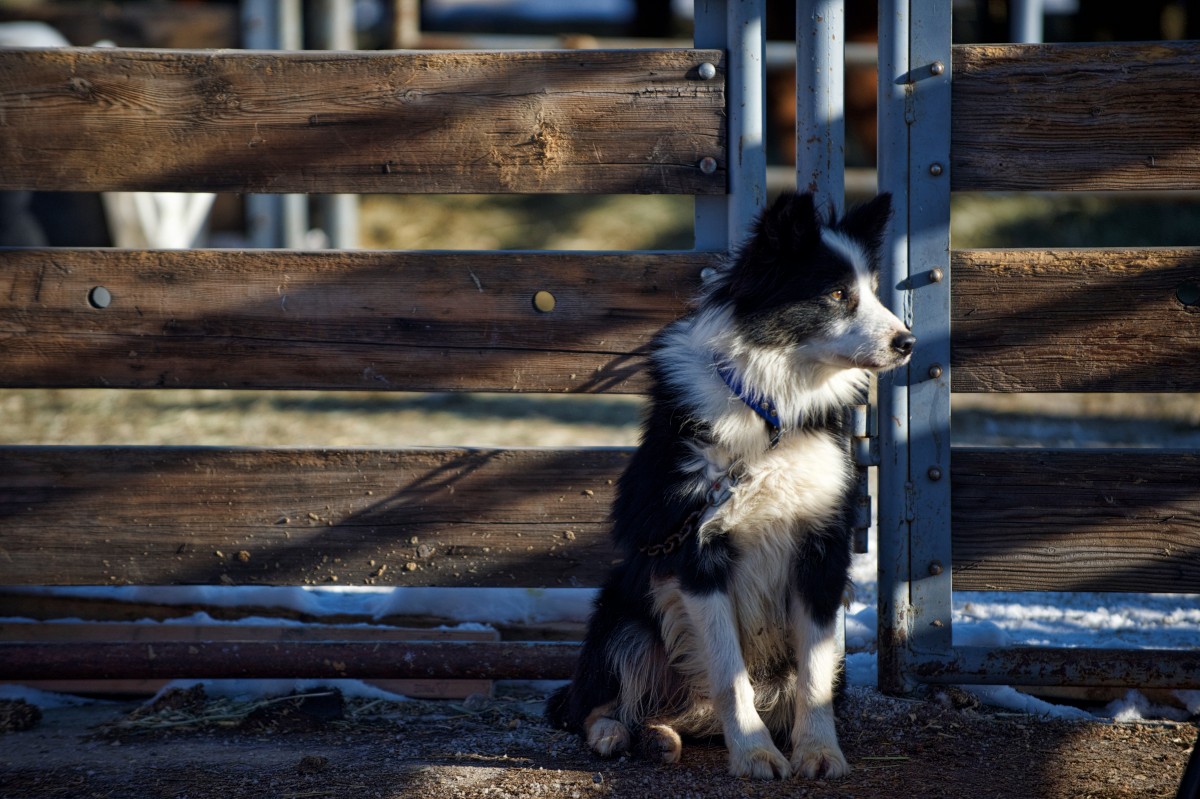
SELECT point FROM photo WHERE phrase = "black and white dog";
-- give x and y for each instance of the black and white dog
(734, 514)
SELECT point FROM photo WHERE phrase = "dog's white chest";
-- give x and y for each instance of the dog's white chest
(782, 497)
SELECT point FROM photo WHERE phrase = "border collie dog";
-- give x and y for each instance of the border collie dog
(733, 514)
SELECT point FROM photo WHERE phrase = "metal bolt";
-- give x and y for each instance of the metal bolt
(934, 473)
(937, 68)
(707, 71)
(935, 568)
(543, 301)
(99, 297)
(935, 371)
(936, 275)
(935, 169)
(708, 165)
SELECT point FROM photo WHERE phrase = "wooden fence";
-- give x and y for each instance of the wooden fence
(645, 121)
(1025, 118)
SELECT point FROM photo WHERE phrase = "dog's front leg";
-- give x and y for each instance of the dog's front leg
(752, 753)
(815, 750)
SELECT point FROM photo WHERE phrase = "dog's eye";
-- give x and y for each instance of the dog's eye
(838, 295)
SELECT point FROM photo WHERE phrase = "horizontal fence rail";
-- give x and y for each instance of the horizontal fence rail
(420, 517)
(1076, 320)
(579, 121)
(1029, 665)
(1090, 117)
(1076, 520)
(383, 659)
(337, 320)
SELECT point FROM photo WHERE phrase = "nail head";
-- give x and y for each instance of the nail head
(935, 169)
(707, 71)
(708, 165)
(937, 68)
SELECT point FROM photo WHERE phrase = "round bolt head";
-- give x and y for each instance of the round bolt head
(544, 301)
(935, 169)
(937, 68)
(936, 275)
(934, 473)
(935, 568)
(99, 297)
(708, 165)
(707, 71)
(935, 371)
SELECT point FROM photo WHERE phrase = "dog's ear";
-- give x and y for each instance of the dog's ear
(791, 223)
(784, 234)
(868, 222)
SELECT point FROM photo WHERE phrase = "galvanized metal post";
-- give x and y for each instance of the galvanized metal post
(274, 220)
(914, 499)
(737, 27)
(1025, 22)
(820, 101)
(893, 477)
(334, 30)
(930, 70)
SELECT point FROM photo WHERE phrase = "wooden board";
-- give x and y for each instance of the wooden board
(1076, 520)
(1075, 117)
(602, 122)
(447, 517)
(135, 634)
(430, 660)
(1075, 320)
(337, 320)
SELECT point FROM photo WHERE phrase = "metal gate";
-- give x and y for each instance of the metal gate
(1030, 118)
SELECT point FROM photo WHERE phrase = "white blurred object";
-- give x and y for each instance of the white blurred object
(154, 220)
(159, 220)
(30, 34)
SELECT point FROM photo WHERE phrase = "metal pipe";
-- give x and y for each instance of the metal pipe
(820, 101)
(893, 479)
(737, 27)
(333, 29)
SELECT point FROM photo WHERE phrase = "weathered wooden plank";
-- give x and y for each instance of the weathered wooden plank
(300, 659)
(1058, 666)
(1076, 320)
(347, 320)
(1075, 117)
(449, 517)
(1076, 520)
(594, 121)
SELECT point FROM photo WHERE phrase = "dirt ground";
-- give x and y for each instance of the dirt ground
(322, 746)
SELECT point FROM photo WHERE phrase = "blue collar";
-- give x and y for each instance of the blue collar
(760, 404)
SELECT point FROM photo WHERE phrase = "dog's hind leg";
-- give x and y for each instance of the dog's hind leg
(660, 743)
(607, 736)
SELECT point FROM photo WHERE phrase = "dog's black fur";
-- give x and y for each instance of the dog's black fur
(720, 617)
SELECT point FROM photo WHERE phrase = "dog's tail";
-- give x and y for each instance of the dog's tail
(558, 708)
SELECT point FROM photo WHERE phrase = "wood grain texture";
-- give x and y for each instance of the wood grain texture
(289, 659)
(594, 121)
(337, 320)
(1075, 117)
(1075, 320)
(1076, 520)
(448, 517)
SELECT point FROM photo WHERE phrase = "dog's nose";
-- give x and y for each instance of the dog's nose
(903, 343)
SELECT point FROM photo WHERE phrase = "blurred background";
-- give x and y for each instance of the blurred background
(438, 222)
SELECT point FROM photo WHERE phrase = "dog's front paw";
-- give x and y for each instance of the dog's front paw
(760, 760)
(815, 760)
